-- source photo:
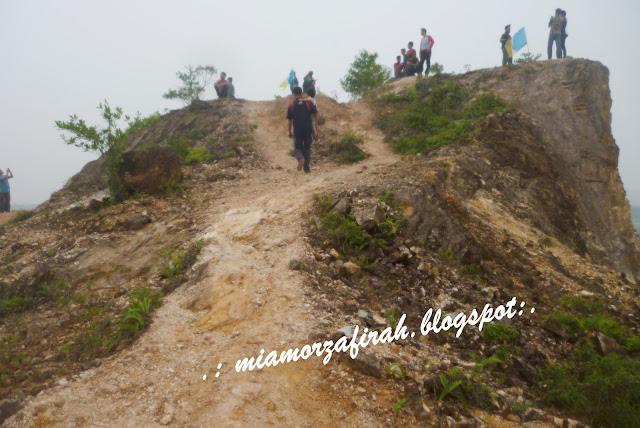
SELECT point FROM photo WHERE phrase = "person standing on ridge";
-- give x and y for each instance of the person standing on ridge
(563, 33)
(308, 82)
(5, 191)
(299, 116)
(505, 40)
(397, 67)
(555, 34)
(426, 44)
(222, 86)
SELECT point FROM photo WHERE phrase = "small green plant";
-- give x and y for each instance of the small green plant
(499, 333)
(399, 405)
(482, 363)
(546, 242)
(436, 69)
(229, 154)
(425, 364)
(323, 202)
(471, 269)
(449, 387)
(528, 57)
(173, 265)
(486, 104)
(387, 197)
(392, 317)
(52, 252)
(347, 150)
(197, 155)
(389, 368)
(344, 232)
(445, 255)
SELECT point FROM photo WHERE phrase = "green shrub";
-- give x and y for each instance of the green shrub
(603, 389)
(344, 232)
(348, 149)
(499, 333)
(22, 215)
(486, 104)
(433, 115)
(197, 155)
(546, 242)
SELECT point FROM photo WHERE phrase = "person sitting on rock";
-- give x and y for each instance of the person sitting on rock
(232, 89)
(222, 86)
(5, 192)
(412, 60)
(299, 116)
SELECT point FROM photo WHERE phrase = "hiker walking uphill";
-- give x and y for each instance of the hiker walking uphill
(299, 116)
(426, 44)
(507, 47)
(555, 34)
(5, 191)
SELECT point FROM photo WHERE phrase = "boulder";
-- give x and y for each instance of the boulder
(553, 326)
(607, 345)
(148, 171)
(368, 213)
(343, 206)
(366, 362)
(8, 407)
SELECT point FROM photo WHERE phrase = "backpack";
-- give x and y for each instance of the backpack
(308, 105)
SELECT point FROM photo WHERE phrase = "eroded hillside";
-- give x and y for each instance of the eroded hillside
(515, 192)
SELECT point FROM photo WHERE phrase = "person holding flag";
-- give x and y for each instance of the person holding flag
(293, 80)
(507, 47)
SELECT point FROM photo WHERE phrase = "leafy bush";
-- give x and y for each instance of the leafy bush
(604, 389)
(344, 232)
(197, 155)
(546, 242)
(348, 150)
(486, 104)
(364, 75)
(499, 333)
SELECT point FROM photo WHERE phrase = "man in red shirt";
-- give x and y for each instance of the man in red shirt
(222, 86)
(412, 60)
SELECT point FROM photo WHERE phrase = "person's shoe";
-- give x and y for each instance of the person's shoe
(300, 164)
(307, 171)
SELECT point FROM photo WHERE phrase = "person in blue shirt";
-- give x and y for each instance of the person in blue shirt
(5, 193)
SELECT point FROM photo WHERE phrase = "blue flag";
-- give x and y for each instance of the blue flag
(519, 40)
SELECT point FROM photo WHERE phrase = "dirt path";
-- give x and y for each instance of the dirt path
(246, 300)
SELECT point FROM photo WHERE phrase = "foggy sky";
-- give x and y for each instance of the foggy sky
(63, 57)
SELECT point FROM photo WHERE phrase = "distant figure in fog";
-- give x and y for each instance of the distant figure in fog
(555, 34)
(563, 33)
(507, 49)
(222, 86)
(232, 89)
(5, 191)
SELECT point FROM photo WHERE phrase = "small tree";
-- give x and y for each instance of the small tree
(364, 75)
(194, 82)
(92, 138)
(107, 140)
(436, 69)
(528, 57)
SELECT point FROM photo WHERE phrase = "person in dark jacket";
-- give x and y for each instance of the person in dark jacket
(299, 116)
(506, 37)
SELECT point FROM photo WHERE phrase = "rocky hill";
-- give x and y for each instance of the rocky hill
(446, 192)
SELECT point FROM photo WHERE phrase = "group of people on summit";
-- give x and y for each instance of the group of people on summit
(557, 34)
(408, 64)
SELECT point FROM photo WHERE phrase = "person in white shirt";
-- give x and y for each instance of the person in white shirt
(426, 44)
